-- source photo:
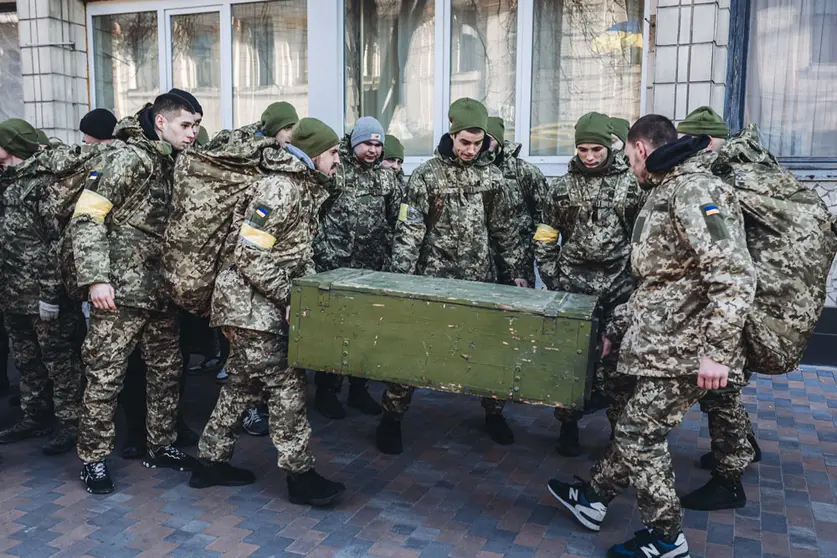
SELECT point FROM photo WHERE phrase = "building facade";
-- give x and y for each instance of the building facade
(540, 64)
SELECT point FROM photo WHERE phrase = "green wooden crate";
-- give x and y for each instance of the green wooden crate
(459, 336)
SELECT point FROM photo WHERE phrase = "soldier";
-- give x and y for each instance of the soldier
(734, 444)
(277, 120)
(356, 231)
(394, 157)
(202, 137)
(454, 208)
(685, 322)
(117, 232)
(97, 126)
(43, 323)
(593, 207)
(251, 304)
(620, 128)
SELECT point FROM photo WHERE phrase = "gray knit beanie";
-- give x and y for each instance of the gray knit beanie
(367, 129)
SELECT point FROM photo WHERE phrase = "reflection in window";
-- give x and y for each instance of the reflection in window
(196, 62)
(483, 55)
(791, 90)
(270, 57)
(390, 68)
(587, 57)
(11, 76)
(126, 61)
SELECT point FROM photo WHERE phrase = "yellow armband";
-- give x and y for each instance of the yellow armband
(92, 205)
(545, 233)
(256, 237)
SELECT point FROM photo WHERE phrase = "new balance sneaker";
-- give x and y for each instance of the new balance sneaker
(169, 457)
(96, 477)
(254, 423)
(646, 544)
(581, 500)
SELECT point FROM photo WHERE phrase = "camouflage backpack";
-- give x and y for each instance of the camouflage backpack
(792, 239)
(209, 183)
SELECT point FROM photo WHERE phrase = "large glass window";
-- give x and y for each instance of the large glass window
(270, 57)
(587, 57)
(126, 61)
(196, 62)
(791, 90)
(483, 55)
(390, 68)
(11, 76)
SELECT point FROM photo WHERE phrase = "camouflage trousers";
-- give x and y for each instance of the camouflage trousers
(617, 389)
(729, 427)
(110, 341)
(259, 361)
(333, 382)
(45, 351)
(396, 400)
(638, 454)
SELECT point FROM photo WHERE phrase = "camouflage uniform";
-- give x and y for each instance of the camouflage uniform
(117, 234)
(273, 246)
(356, 225)
(43, 350)
(696, 283)
(452, 213)
(594, 211)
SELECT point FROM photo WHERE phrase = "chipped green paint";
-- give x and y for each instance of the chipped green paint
(444, 334)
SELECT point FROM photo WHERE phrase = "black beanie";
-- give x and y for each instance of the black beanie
(98, 123)
(676, 152)
(189, 99)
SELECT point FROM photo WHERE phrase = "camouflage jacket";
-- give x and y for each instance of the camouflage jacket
(359, 216)
(594, 215)
(696, 280)
(274, 246)
(119, 220)
(452, 213)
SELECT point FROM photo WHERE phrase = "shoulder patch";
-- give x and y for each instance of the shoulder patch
(260, 214)
(714, 222)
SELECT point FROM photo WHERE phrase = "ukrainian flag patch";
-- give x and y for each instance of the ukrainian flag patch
(714, 222)
(711, 210)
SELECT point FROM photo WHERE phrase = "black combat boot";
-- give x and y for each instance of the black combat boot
(360, 399)
(388, 436)
(169, 457)
(310, 488)
(708, 461)
(568, 444)
(63, 439)
(219, 473)
(717, 494)
(328, 405)
(498, 429)
(25, 428)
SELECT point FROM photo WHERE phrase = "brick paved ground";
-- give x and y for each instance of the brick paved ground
(452, 493)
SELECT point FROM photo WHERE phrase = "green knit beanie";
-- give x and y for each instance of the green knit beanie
(313, 137)
(19, 138)
(43, 139)
(704, 120)
(467, 113)
(497, 129)
(278, 116)
(594, 127)
(203, 136)
(620, 128)
(393, 148)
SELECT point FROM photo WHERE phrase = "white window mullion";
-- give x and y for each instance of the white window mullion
(91, 62)
(441, 89)
(226, 67)
(525, 47)
(164, 49)
(646, 38)
(325, 62)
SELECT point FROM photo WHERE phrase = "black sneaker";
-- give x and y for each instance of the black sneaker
(23, 429)
(580, 499)
(647, 543)
(568, 444)
(360, 399)
(219, 473)
(717, 494)
(388, 436)
(169, 457)
(709, 463)
(254, 423)
(135, 446)
(64, 439)
(97, 478)
(310, 488)
(498, 429)
(326, 402)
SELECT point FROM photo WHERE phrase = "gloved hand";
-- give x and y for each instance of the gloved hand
(49, 312)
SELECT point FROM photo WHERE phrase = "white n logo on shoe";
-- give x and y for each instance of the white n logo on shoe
(650, 551)
(574, 494)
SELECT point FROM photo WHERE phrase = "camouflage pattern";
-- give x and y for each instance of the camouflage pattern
(359, 216)
(273, 235)
(111, 339)
(729, 427)
(396, 401)
(46, 351)
(124, 248)
(696, 278)
(259, 361)
(638, 454)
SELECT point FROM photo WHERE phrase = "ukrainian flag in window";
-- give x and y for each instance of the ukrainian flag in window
(618, 37)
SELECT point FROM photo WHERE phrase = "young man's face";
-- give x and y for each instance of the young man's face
(637, 153)
(467, 145)
(6, 158)
(284, 135)
(394, 164)
(327, 161)
(617, 144)
(591, 155)
(369, 151)
(178, 129)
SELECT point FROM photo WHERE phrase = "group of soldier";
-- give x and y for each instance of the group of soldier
(639, 221)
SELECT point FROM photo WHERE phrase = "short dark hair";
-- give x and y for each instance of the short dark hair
(654, 129)
(167, 103)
